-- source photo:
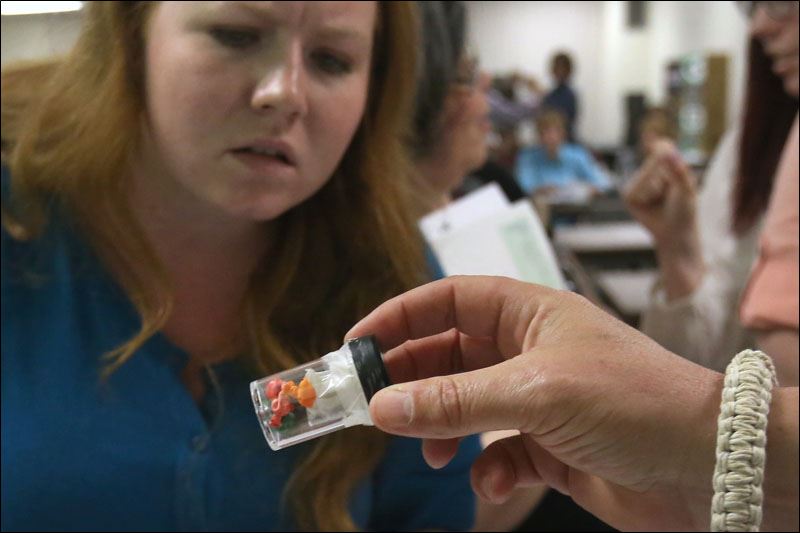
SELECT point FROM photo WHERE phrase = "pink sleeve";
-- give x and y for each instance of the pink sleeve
(770, 300)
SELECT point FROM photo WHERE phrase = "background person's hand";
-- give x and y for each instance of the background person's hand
(604, 413)
(662, 196)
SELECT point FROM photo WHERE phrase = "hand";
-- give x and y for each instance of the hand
(545, 191)
(534, 85)
(663, 197)
(605, 414)
(530, 82)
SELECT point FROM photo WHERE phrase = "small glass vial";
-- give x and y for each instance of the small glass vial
(322, 396)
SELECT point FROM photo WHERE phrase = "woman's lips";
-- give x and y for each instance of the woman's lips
(783, 65)
(265, 165)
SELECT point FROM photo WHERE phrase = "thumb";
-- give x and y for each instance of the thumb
(456, 405)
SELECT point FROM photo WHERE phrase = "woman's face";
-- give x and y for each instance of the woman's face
(466, 119)
(251, 105)
(778, 34)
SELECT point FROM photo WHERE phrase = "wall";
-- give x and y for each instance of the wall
(611, 59)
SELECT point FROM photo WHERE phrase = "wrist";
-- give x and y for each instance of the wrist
(682, 268)
(681, 245)
(781, 470)
(694, 481)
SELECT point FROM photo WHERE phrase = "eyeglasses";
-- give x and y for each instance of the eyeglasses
(775, 10)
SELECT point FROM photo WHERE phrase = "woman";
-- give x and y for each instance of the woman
(706, 243)
(451, 118)
(207, 193)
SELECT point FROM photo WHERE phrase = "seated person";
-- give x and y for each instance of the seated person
(555, 164)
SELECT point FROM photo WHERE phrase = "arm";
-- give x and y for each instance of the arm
(591, 172)
(663, 197)
(475, 354)
(509, 112)
(526, 171)
(693, 308)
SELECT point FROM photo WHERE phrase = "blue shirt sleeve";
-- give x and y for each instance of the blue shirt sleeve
(589, 170)
(526, 171)
(410, 495)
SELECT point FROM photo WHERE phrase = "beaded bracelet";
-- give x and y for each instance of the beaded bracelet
(741, 443)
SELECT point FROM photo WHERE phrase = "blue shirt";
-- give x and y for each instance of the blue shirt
(563, 99)
(535, 168)
(136, 453)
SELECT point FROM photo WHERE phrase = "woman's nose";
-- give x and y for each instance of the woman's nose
(282, 89)
(761, 24)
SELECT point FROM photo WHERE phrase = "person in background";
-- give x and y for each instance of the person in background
(506, 112)
(556, 164)
(451, 120)
(205, 194)
(706, 244)
(769, 304)
(563, 97)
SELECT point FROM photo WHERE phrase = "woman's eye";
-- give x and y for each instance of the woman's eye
(235, 38)
(331, 63)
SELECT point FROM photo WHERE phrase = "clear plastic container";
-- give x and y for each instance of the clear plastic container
(322, 396)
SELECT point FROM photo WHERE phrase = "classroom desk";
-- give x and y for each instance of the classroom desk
(611, 263)
(603, 237)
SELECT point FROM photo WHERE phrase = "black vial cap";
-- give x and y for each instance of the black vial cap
(369, 365)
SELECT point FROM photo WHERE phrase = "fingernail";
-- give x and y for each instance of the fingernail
(394, 407)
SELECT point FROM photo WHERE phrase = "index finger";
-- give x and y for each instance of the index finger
(502, 309)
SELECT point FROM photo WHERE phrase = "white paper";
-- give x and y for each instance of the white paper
(508, 242)
(463, 212)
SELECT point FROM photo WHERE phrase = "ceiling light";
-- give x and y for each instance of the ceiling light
(37, 8)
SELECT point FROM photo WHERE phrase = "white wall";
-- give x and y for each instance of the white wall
(34, 36)
(611, 59)
(522, 36)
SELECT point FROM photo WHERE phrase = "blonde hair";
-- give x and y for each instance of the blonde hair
(551, 118)
(21, 86)
(341, 253)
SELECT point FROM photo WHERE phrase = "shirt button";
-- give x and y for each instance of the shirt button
(200, 443)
